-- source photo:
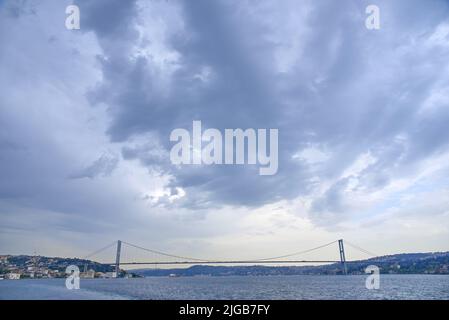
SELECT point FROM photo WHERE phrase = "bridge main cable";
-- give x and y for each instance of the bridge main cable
(163, 253)
(298, 252)
(190, 259)
(99, 250)
(361, 249)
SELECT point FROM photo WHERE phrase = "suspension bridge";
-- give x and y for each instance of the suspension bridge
(183, 260)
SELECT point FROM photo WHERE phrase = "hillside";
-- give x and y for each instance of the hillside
(404, 263)
(46, 267)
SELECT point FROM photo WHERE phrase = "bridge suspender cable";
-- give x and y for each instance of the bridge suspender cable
(197, 260)
(163, 253)
(206, 260)
(298, 253)
(100, 250)
(361, 249)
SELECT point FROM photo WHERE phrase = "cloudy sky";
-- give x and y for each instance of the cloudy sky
(86, 115)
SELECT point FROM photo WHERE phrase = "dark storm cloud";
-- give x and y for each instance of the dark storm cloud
(351, 90)
(103, 166)
(240, 95)
(108, 18)
(43, 126)
(18, 8)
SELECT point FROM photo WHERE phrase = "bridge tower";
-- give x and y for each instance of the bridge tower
(117, 258)
(342, 256)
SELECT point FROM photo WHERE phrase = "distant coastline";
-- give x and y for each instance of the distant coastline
(405, 263)
(23, 266)
(16, 267)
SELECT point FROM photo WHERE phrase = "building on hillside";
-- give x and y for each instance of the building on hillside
(13, 276)
(90, 274)
(110, 275)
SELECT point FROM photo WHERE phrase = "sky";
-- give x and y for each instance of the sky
(86, 115)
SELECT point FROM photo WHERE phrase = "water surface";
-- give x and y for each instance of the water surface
(233, 287)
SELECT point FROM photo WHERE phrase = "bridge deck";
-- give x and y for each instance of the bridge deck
(227, 262)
